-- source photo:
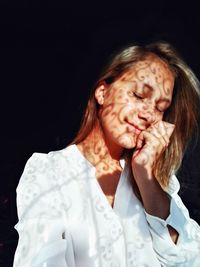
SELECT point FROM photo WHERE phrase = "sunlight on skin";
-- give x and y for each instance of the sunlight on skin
(139, 98)
(130, 116)
(131, 106)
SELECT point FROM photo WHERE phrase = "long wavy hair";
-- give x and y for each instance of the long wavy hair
(183, 111)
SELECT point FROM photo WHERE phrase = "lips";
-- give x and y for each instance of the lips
(134, 128)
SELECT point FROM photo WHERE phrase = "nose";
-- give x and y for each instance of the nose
(147, 114)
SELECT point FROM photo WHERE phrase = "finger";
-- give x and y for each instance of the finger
(150, 137)
(165, 141)
(140, 141)
(159, 135)
(169, 128)
(154, 130)
(163, 131)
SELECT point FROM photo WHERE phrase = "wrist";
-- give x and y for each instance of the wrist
(144, 172)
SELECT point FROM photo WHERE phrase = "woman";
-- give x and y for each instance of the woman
(110, 198)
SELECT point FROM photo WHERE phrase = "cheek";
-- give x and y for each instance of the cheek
(113, 113)
(110, 120)
(140, 107)
(159, 117)
(114, 125)
(125, 112)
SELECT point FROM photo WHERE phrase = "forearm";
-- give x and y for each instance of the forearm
(155, 200)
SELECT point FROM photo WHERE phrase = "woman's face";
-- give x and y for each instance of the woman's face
(135, 101)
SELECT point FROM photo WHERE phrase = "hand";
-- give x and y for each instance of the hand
(151, 143)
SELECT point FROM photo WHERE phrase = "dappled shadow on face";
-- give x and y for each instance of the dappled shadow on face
(136, 100)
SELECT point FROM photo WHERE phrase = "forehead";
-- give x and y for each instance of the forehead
(151, 67)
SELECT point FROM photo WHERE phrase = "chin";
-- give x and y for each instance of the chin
(127, 142)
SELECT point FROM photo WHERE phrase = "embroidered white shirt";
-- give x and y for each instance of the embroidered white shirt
(65, 220)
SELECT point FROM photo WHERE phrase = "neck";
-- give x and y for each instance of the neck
(96, 148)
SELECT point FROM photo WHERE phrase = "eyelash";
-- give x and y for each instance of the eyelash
(141, 97)
(161, 111)
(137, 96)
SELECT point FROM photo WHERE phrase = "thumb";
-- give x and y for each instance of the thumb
(140, 141)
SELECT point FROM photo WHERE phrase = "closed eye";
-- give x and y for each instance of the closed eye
(160, 110)
(138, 96)
(163, 104)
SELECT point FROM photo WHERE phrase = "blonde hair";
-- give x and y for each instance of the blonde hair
(183, 111)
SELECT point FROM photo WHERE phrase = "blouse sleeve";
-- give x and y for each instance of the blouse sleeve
(43, 240)
(186, 252)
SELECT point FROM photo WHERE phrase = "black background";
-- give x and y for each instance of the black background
(50, 55)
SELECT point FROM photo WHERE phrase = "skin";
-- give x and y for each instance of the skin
(130, 116)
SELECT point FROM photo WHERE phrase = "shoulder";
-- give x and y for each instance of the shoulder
(37, 166)
(65, 157)
(38, 185)
(43, 165)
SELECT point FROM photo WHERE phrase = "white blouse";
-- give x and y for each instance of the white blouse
(65, 220)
